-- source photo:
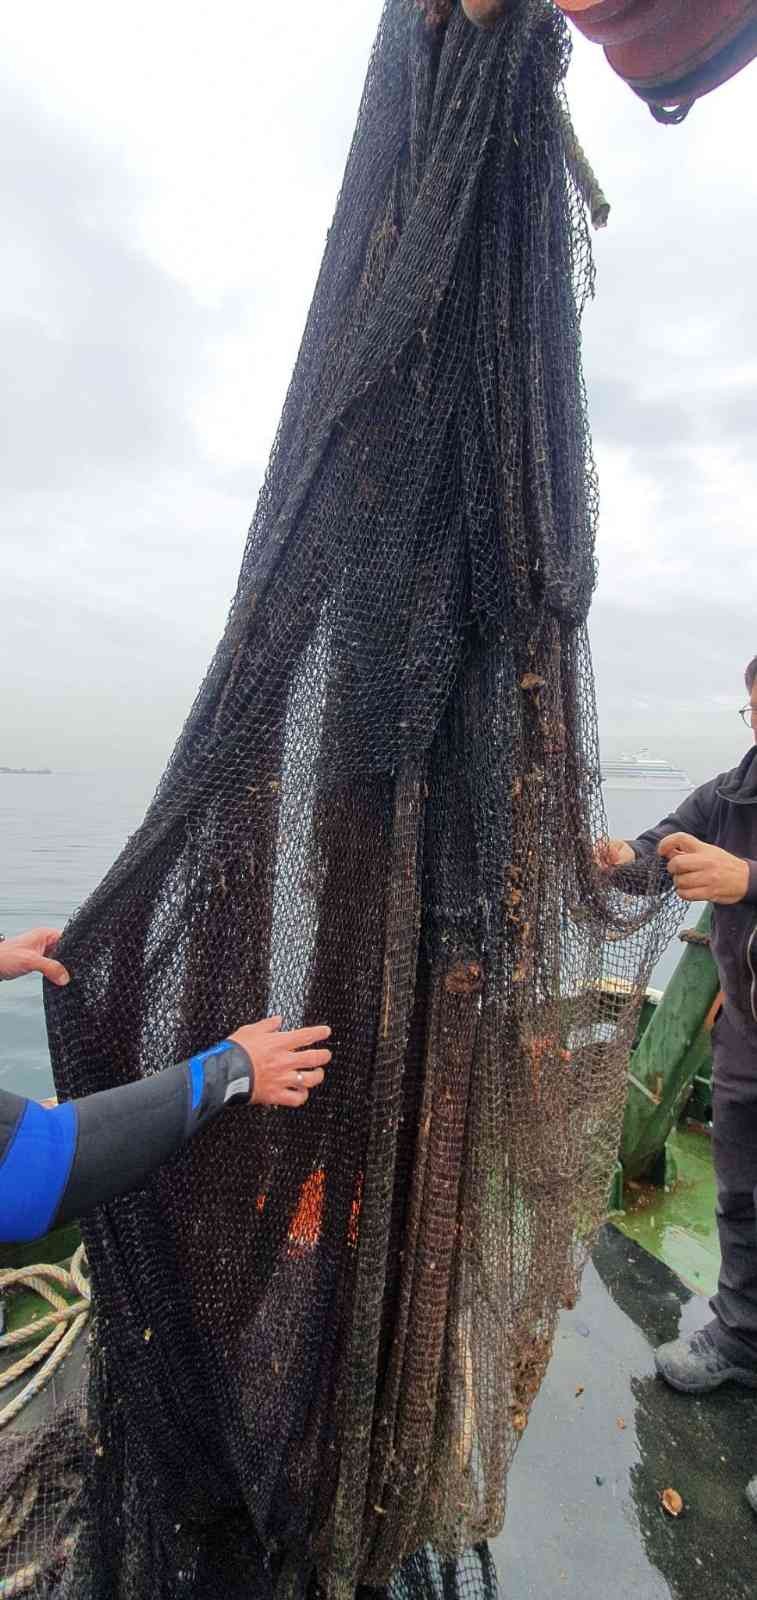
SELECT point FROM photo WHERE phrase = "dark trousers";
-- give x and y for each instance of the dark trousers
(735, 1154)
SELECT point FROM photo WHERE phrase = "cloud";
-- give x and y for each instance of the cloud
(166, 193)
(671, 361)
(120, 539)
(622, 419)
(92, 332)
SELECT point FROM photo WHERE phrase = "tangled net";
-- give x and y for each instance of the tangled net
(318, 1333)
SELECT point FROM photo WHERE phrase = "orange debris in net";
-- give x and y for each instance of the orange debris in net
(354, 1223)
(305, 1226)
(538, 1049)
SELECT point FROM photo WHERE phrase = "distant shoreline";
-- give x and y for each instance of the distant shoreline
(27, 772)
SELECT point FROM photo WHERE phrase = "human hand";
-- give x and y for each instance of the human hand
(286, 1066)
(704, 871)
(610, 853)
(30, 952)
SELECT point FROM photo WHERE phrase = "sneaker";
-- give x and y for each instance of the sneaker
(751, 1493)
(696, 1365)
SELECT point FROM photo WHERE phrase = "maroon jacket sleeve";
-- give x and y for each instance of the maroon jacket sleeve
(670, 51)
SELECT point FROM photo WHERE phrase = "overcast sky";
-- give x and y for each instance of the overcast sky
(168, 176)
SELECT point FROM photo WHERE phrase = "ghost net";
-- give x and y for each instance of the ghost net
(318, 1333)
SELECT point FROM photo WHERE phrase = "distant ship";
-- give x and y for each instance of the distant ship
(643, 771)
(27, 772)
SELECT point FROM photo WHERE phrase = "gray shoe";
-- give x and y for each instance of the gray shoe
(696, 1365)
(751, 1493)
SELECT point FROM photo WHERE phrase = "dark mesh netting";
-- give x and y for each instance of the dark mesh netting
(319, 1332)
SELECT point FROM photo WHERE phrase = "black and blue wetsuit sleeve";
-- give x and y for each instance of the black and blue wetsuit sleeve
(57, 1164)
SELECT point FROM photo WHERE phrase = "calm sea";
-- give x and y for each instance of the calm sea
(58, 836)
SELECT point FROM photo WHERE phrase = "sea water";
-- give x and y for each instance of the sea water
(58, 836)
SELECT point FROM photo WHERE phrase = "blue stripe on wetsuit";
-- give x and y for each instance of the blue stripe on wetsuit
(59, 1164)
(197, 1069)
(35, 1169)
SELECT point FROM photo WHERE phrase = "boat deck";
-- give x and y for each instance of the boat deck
(606, 1436)
(584, 1518)
(677, 1225)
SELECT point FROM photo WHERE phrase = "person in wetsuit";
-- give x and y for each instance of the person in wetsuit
(57, 1162)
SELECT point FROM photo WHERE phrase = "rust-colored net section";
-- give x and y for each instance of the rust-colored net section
(319, 1332)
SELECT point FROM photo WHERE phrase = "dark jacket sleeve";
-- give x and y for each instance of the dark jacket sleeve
(694, 815)
(58, 1163)
(751, 893)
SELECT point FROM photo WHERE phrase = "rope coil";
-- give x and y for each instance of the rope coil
(61, 1327)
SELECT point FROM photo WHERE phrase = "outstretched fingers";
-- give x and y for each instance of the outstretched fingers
(303, 1038)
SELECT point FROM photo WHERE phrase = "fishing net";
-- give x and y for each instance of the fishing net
(318, 1332)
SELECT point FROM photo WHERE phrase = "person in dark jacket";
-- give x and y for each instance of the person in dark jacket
(710, 845)
(57, 1162)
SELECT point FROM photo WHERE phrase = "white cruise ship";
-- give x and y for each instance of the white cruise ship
(643, 771)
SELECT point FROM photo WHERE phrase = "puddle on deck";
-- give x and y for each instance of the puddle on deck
(584, 1517)
(677, 1225)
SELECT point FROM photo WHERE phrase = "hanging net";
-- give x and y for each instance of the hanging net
(318, 1333)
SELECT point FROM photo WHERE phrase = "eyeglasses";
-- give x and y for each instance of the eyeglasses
(748, 715)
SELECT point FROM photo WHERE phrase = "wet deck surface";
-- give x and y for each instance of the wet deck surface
(584, 1518)
(569, 1534)
(677, 1224)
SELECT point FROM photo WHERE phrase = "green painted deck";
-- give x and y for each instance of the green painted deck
(676, 1224)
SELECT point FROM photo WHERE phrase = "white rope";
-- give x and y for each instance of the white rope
(61, 1328)
(64, 1323)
